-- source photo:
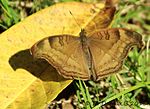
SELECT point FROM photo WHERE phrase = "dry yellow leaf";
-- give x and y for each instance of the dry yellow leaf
(26, 83)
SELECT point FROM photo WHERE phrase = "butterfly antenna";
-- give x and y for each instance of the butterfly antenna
(75, 19)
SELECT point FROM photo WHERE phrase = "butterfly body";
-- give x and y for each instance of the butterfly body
(87, 55)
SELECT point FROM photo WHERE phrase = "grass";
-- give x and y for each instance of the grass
(9, 16)
(128, 89)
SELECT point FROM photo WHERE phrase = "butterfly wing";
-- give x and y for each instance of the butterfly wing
(64, 52)
(109, 48)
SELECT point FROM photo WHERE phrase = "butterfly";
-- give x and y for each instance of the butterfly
(96, 53)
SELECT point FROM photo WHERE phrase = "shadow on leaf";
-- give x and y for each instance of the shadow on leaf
(38, 67)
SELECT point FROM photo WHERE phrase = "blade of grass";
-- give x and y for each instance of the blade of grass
(88, 95)
(84, 94)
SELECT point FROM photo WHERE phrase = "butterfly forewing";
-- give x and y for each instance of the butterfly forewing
(65, 53)
(109, 48)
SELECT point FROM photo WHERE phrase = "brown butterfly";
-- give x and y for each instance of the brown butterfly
(98, 51)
